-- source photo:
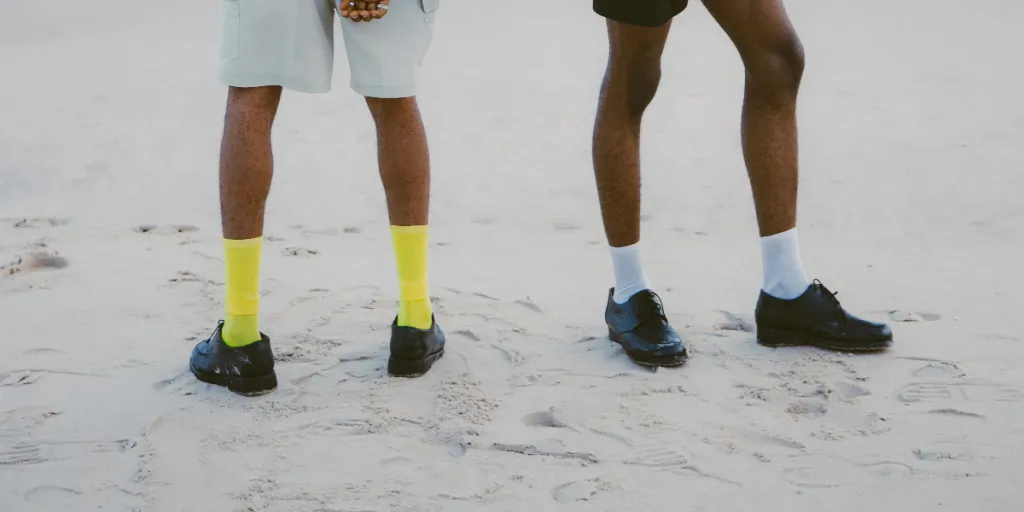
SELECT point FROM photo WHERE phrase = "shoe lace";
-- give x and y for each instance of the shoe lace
(830, 296)
(653, 306)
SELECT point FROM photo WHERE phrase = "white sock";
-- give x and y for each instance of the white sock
(784, 276)
(629, 272)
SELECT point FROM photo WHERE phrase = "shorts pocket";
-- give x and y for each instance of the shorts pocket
(231, 29)
(430, 8)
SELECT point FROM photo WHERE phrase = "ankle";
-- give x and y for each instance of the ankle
(417, 314)
(783, 271)
(239, 331)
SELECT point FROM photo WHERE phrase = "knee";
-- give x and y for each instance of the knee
(633, 85)
(774, 72)
(643, 85)
(253, 101)
(382, 108)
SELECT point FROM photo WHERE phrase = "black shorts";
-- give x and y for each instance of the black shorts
(646, 13)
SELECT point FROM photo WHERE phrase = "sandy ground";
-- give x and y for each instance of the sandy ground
(912, 120)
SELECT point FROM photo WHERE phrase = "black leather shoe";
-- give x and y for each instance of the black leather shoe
(247, 370)
(414, 351)
(641, 327)
(816, 319)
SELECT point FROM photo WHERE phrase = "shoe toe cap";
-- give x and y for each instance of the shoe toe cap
(667, 344)
(201, 349)
(885, 332)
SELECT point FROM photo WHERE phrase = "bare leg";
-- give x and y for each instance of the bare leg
(790, 310)
(237, 354)
(404, 159)
(774, 61)
(634, 313)
(246, 167)
(246, 161)
(630, 82)
(404, 162)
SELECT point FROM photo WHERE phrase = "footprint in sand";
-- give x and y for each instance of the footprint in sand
(964, 451)
(316, 232)
(25, 453)
(185, 276)
(25, 377)
(39, 222)
(547, 450)
(182, 384)
(733, 322)
(659, 457)
(940, 370)
(299, 251)
(887, 469)
(21, 378)
(345, 426)
(52, 497)
(850, 392)
(959, 392)
(23, 421)
(466, 333)
(909, 316)
(948, 411)
(512, 356)
(528, 304)
(572, 492)
(811, 408)
(36, 260)
(171, 229)
(824, 475)
(543, 419)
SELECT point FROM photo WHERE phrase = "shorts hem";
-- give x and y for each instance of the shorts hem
(274, 79)
(384, 91)
(653, 15)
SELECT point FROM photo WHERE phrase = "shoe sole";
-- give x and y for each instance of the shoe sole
(778, 338)
(245, 386)
(410, 368)
(672, 362)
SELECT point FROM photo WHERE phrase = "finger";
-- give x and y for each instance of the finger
(383, 12)
(364, 16)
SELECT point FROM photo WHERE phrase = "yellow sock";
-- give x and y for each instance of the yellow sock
(242, 299)
(411, 257)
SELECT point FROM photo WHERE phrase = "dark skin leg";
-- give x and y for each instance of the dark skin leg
(630, 82)
(403, 158)
(774, 61)
(246, 160)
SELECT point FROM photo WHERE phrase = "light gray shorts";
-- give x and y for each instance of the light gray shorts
(290, 43)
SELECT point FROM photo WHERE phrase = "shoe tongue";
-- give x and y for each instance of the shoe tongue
(646, 305)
